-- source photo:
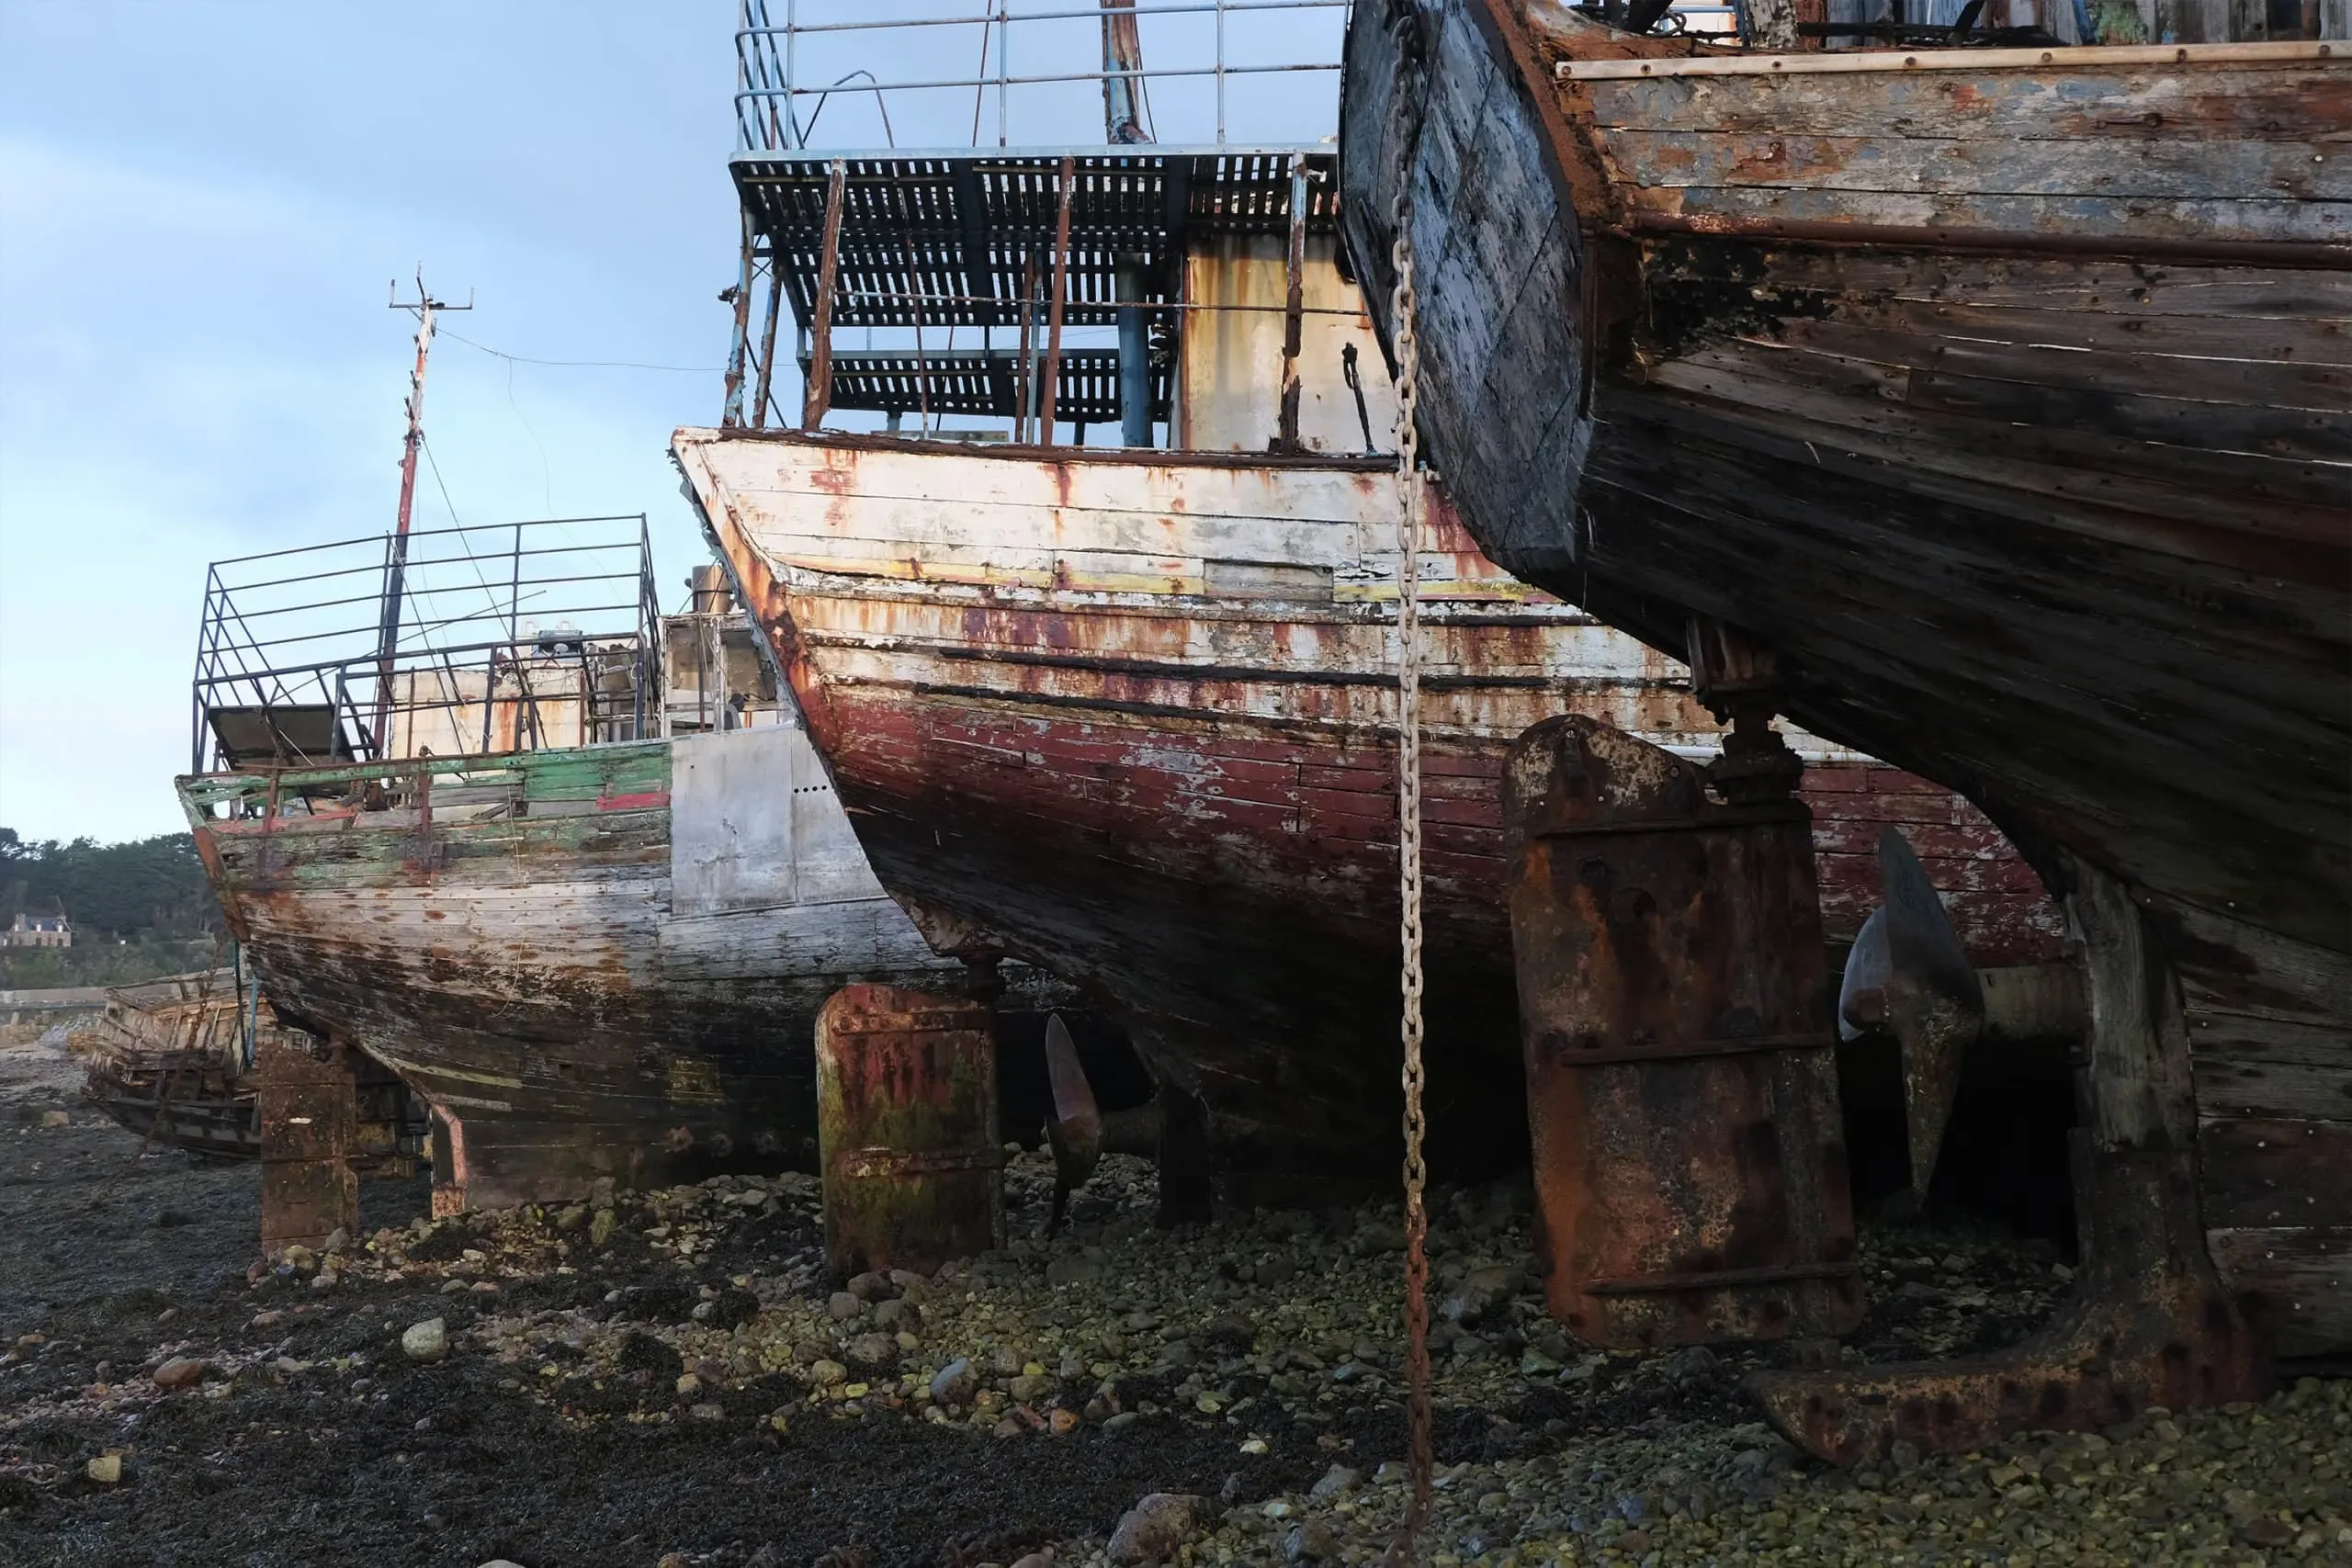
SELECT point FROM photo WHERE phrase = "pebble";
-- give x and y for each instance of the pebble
(426, 1341)
(1206, 1333)
(105, 1469)
(1155, 1528)
(954, 1384)
(180, 1371)
(1336, 1481)
(1310, 1542)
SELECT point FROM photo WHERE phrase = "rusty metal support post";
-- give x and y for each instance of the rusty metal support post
(1054, 318)
(1294, 308)
(818, 396)
(1025, 402)
(760, 404)
(907, 1129)
(310, 1119)
(2150, 1321)
(1690, 1164)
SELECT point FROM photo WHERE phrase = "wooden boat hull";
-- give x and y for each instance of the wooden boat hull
(170, 1059)
(604, 961)
(1127, 718)
(2009, 399)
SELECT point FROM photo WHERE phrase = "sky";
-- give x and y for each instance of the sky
(204, 208)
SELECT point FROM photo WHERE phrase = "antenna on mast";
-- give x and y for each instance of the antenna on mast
(424, 307)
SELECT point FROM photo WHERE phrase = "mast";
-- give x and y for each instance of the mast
(387, 634)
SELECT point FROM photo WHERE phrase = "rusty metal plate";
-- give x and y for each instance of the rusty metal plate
(308, 1110)
(907, 1129)
(1690, 1159)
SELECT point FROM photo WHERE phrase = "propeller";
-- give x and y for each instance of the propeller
(1076, 1131)
(1909, 973)
(1080, 1132)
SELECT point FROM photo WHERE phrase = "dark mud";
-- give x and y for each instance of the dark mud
(665, 1386)
(113, 1259)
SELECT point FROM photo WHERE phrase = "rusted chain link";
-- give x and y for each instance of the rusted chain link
(1404, 330)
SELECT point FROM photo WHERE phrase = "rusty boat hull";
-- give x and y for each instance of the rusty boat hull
(600, 962)
(2006, 397)
(1125, 716)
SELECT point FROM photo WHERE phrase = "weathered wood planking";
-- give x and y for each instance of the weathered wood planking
(528, 972)
(2306, 1282)
(1183, 795)
(2010, 400)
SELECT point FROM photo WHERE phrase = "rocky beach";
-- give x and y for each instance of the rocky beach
(670, 1378)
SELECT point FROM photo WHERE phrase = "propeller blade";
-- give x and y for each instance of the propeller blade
(1924, 947)
(1933, 999)
(1861, 995)
(1075, 1132)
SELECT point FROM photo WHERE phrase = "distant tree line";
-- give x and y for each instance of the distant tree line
(138, 908)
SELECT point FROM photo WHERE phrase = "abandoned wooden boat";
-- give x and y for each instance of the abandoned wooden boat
(2004, 397)
(595, 945)
(1122, 712)
(171, 1059)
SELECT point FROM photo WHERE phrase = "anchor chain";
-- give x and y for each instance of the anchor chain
(1405, 333)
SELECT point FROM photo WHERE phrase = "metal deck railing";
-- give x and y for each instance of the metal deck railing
(484, 638)
(793, 55)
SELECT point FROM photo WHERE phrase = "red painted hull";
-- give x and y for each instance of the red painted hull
(1229, 890)
(1130, 719)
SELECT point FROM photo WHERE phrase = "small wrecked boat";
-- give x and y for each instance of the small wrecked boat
(589, 889)
(172, 1059)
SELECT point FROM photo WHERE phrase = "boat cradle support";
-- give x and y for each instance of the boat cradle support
(1690, 1165)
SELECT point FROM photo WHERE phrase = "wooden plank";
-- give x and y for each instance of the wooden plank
(817, 395)
(1060, 297)
(2188, 337)
(2230, 967)
(2204, 488)
(1977, 166)
(2320, 388)
(2126, 221)
(2108, 111)
(2237, 295)
(2316, 435)
(2226, 1036)
(2300, 1090)
(2305, 1276)
(2256, 1171)
(2042, 62)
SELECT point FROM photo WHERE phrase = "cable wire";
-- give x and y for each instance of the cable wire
(579, 363)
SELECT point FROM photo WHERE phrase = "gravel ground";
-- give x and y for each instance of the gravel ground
(668, 1379)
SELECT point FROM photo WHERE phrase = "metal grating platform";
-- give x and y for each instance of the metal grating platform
(956, 228)
(982, 382)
